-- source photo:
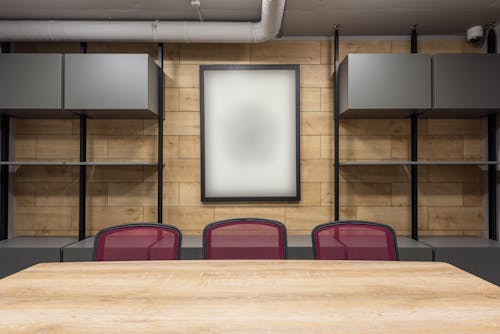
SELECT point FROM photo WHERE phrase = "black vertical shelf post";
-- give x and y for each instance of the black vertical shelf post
(4, 169)
(336, 121)
(492, 155)
(4, 179)
(160, 133)
(83, 169)
(492, 178)
(414, 154)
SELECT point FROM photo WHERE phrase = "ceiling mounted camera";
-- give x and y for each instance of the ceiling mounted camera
(474, 34)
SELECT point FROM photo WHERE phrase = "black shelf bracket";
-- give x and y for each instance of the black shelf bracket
(336, 122)
(4, 178)
(82, 197)
(160, 133)
(4, 169)
(5, 47)
(82, 200)
(414, 153)
(492, 178)
(492, 155)
(414, 177)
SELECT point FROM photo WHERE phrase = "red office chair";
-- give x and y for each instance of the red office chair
(354, 240)
(245, 238)
(136, 242)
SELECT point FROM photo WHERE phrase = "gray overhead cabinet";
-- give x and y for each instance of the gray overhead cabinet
(384, 85)
(31, 85)
(465, 85)
(111, 85)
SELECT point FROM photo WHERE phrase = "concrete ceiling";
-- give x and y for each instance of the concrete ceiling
(387, 17)
(302, 17)
(178, 10)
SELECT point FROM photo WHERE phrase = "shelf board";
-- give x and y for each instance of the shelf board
(463, 163)
(76, 163)
(377, 163)
(409, 163)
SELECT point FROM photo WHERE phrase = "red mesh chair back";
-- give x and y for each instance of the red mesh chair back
(354, 240)
(137, 242)
(245, 238)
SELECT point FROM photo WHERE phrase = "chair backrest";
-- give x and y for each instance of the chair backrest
(354, 240)
(245, 238)
(137, 242)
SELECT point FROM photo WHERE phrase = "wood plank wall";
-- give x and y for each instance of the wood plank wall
(450, 197)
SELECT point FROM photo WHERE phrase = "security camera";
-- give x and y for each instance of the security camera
(474, 34)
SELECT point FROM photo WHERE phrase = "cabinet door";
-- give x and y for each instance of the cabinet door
(466, 81)
(379, 85)
(30, 81)
(110, 82)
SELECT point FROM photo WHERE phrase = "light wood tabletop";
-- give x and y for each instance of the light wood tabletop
(290, 296)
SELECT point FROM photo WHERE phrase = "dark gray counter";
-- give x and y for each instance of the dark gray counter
(78, 251)
(19, 253)
(476, 255)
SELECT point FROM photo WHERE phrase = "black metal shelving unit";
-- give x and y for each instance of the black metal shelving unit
(491, 163)
(5, 163)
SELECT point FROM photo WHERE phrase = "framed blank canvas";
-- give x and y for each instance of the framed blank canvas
(250, 140)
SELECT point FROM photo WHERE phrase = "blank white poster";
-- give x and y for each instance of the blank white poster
(250, 133)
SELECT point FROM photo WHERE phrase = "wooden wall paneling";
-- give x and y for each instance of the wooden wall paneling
(101, 217)
(316, 123)
(363, 46)
(26, 126)
(304, 219)
(182, 123)
(456, 218)
(97, 148)
(189, 147)
(285, 52)
(474, 148)
(215, 53)
(44, 219)
(129, 194)
(326, 99)
(315, 76)
(138, 148)
(25, 194)
(189, 99)
(365, 148)
(114, 127)
(56, 194)
(397, 217)
(310, 99)
(190, 219)
(26, 147)
(182, 170)
(310, 147)
(365, 194)
(440, 148)
(274, 213)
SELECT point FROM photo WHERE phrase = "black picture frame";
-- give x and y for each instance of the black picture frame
(285, 67)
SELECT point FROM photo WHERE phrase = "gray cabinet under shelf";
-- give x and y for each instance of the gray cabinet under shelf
(31, 85)
(465, 85)
(385, 85)
(111, 85)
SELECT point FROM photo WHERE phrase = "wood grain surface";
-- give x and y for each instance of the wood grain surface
(248, 297)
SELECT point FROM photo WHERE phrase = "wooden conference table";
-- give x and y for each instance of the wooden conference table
(293, 296)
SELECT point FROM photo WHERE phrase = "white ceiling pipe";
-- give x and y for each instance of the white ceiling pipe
(148, 31)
